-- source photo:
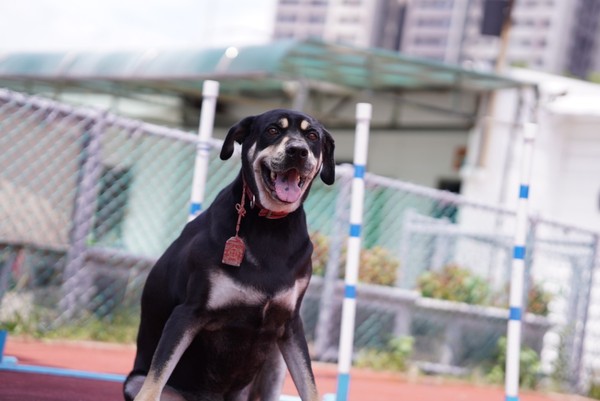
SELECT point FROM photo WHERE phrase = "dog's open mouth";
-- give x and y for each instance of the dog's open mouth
(286, 186)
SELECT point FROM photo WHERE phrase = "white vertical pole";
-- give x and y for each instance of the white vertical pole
(361, 147)
(513, 348)
(210, 91)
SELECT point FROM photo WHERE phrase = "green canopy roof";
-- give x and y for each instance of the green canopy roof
(257, 68)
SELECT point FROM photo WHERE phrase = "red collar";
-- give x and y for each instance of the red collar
(263, 212)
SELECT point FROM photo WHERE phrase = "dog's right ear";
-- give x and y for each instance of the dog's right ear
(237, 133)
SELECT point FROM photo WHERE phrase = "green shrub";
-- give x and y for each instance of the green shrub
(594, 391)
(529, 366)
(457, 284)
(538, 300)
(394, 357)
(377, 265)
(320, 253)
(454, 283)
(119, 327)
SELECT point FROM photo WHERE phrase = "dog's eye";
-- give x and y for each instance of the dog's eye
(312, 136)
(273, 131)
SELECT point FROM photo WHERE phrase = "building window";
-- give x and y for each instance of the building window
(350, 19)
(437, 4)
(316, 19)
(284, 34)
(526, 42)
(430, 41)
(433, 22)
(287, 18)
(344, 38)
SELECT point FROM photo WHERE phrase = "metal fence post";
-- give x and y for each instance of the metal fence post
(324, 331)
(577, 380)
(76, 285)
(361, 146)
(210, 91)
(513, 348)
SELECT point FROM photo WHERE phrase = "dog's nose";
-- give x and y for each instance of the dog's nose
(297, 152)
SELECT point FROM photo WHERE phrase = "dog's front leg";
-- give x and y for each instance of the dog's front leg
(178, 333)
(295, 353)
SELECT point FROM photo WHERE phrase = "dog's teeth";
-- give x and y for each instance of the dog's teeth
(273, 176)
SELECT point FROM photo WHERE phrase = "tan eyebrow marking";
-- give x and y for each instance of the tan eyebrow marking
(284, 123)
(304, 125)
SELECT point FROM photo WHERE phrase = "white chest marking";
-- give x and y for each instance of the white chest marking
(226, 292)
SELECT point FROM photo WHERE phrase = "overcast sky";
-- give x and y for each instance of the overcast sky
(132, 24)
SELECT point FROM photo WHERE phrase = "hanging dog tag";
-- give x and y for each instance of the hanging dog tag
(234, 251)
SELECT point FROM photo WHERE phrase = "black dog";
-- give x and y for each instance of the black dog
(221, 307)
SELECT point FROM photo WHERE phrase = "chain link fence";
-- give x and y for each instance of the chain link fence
(89, 200)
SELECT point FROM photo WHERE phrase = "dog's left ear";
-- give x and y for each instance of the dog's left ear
(237, 133)
(328, 169)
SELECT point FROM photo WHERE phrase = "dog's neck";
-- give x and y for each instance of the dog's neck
(263, 212)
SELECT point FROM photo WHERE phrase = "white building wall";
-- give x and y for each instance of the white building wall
(419, 157)
(576, 168)
(565, 179)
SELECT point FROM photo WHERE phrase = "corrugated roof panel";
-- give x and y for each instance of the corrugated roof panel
(178, 63)
(312, 60)
(30, 64)
(98, 64)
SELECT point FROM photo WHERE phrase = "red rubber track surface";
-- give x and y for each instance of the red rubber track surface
(117, 359)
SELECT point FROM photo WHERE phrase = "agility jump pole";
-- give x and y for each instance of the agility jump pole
(516, 310)
(210, 92)
(361, 147)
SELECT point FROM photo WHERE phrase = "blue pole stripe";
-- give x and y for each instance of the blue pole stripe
(524, 191)
(195, 208)
(359, 171)
(355, 230)
(515, 313)
(519, 252)
(342, 386)
(350, 291)
(512, 398)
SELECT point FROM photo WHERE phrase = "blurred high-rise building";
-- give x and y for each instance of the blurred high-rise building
(558, 36)
(366, 23)
(583, 59)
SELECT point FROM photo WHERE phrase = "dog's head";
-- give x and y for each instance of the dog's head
(282, 152)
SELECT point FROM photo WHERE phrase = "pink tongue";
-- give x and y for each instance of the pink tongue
(286, 186)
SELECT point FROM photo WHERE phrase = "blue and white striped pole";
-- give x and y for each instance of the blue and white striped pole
(210, 91)
(361, 147)
(513, 348)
